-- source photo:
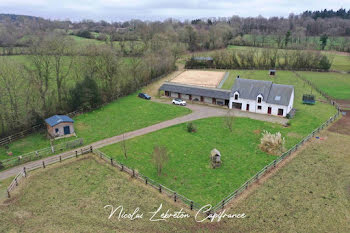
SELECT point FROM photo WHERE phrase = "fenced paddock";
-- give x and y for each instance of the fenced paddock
(147, 181)
(39, 154)
(22, 174)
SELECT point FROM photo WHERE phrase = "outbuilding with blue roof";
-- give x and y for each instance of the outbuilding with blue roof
(60, 125)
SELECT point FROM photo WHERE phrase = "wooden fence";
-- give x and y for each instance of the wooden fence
(35, 155)
(22, 174)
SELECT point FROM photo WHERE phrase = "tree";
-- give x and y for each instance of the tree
(41, 73)
(61, 50)
(287, 38)
(160, 157)
(323, 40)
(85, 95)
(325, 63)
(124, 147)
(229, 120)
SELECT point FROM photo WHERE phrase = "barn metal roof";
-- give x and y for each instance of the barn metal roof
(196, 90)
(272, 93)
(57, 119)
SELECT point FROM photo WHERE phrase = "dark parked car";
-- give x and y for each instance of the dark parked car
(144, 96)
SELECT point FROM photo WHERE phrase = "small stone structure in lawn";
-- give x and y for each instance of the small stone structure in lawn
(215, 158)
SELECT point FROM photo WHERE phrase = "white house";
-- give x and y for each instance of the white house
(263, 97)
(246, 94)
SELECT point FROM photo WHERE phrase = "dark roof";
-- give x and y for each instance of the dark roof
(272, 93)
(203, 58)
(250, 89)
(57, 119)
(196, 90)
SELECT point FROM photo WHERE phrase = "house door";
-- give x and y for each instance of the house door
(280, 112)
(269, 110)
(179, 95)
(214, 101)
(202, 98)
(190, 97)
(247, 108)
(66, 130)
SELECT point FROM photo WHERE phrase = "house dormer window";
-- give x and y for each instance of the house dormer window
(259, 100)
(236, 95)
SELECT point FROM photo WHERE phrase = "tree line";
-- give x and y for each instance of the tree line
(295, 31)
(49, 82)
(263, 59)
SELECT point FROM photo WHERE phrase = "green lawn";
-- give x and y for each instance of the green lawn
(333, 84)
(126, 114)
(341, 62)
(241, 156)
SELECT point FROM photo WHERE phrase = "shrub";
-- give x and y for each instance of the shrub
(325, 63)
(85, 34)
(272, 143)
(191, 128)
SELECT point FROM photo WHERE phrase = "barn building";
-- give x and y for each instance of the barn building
(250, 95)
(59, 126)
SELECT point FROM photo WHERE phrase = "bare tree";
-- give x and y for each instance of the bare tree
(61, 50)
(229, 120)
(124, 147)
(160, 157)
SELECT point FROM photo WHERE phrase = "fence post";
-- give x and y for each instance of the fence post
(16, 181)
(91, 149)
(274, 163)
(175, 197)
(223, 204)
(76, 154)
(160, 188)
(146, 180)
(191, 205)
(24, 171)
(133, 172)
(8, 194)
(60, 158)
(111, 161)
(122, 169)
(43, 164)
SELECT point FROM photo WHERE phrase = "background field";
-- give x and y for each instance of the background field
(124, 115)
(333, 84)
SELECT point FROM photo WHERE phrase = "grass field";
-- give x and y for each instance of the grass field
(333, 84)
(126, 114)
(241, 155)
(310, 194)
